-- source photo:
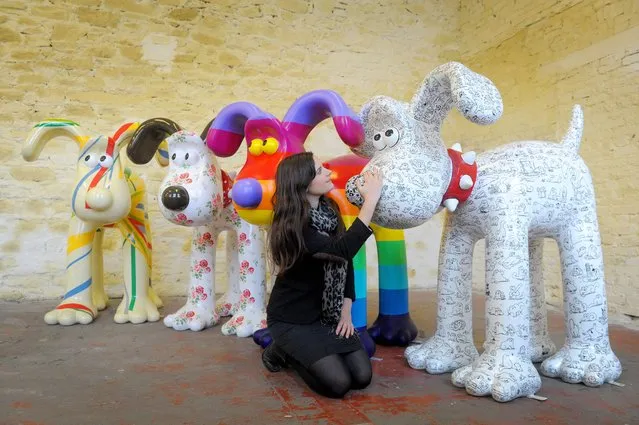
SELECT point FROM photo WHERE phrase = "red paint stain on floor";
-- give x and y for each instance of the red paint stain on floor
(227, 358)
(393, 405)
(21, 405)
(175, 393)
(313, 407)
(186, 349)
(165, 367)
(392, 364)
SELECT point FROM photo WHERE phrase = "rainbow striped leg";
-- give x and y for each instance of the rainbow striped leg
(153, 296)
(358, 313)
(359, 310)
(137, 226)
(140, 303)
(77, 303)
(100, 298)
(136, 306)
(394, 325)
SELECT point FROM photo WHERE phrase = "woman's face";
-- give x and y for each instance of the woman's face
(322, 183)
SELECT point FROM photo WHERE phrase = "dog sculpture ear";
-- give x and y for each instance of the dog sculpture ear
(147, 139)
(454, 85)
(225, 133)
(205, 132)
(162, 154)
(314, 107)
(49, 129)
(124, 134)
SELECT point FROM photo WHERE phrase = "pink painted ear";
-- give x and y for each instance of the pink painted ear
(313, 108)
(227, 131)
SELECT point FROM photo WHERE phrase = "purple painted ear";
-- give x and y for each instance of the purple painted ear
(313, 108)
(226, 133)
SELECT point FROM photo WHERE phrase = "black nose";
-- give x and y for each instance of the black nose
(175, 198)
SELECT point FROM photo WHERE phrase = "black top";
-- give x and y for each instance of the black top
(297, 294)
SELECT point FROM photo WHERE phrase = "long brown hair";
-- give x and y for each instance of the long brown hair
(291, 210)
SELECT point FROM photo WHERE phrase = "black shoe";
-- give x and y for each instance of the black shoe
(273, 358)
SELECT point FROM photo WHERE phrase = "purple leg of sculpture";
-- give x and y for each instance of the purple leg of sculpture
(367, 341)
(262, 338)
(396, 330)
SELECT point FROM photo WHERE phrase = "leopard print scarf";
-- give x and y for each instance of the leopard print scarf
(325, 221)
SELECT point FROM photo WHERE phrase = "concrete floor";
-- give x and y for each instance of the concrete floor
(106, 373)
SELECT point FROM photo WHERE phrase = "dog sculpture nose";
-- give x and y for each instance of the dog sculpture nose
(175, 198)
(247, 193)
(99, 199)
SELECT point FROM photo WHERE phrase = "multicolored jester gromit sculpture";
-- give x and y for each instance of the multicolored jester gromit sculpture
(269, 142)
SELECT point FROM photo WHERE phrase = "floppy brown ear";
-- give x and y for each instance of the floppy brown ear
(148, 137)
(206, 129)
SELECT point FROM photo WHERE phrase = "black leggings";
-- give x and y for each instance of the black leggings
(333, 376)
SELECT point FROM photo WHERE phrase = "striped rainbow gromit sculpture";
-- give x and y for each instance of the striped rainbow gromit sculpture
(269, 142)
(105, 195)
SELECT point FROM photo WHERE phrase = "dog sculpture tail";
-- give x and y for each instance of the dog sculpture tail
(572, 138)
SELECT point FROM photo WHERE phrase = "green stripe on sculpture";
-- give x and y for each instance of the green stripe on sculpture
(57, 123)
(134, 279)
(359, 261)
(391, 253)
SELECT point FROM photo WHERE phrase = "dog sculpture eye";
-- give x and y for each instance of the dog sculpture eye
(391, 137)
(378, 142)
(270, 146)
(106, 161)
(257, 147)
(191, 158)
(91, 160)
(178, 157)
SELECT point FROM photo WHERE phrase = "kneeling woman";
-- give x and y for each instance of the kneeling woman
(309, 311)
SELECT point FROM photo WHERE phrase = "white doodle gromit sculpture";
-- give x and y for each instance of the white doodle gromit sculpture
(513, 196)
(196, 193)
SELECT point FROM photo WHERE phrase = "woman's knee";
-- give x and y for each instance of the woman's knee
(361, 378)
(360, 368)
(332, 374)
(338, 385)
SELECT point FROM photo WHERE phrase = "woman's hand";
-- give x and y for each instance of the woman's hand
(345, 326)
(370, 185)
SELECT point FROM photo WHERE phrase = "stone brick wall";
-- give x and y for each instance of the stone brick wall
(104, 62)
(545, 56)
